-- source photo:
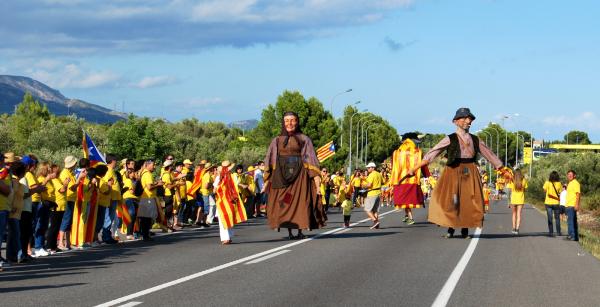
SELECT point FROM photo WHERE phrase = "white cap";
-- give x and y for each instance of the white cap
(371, 164)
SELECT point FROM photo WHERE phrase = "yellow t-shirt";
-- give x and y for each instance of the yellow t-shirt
(147, 179)
(128, 183)
(64, 174)
(115, 194)
(31, 181)
(552, 192)
(207, 184)
(167, 178)
(517, 197)
(375, 180)
(486, 194)
(4, 199)
(188, 185)
(573, 188)
(356, 182)
(47, 195)
(104, 192)
(59, 198)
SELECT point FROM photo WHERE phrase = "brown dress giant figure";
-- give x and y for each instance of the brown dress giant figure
(457, 200)
(293, 178)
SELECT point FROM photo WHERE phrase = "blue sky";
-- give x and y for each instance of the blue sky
(414, 62)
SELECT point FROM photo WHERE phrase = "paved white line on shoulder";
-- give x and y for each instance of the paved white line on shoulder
(222, 266)
(444, 296)
(268, 256)
(130, 304)
(342, 231)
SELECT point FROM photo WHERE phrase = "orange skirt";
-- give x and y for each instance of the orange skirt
(457, 200)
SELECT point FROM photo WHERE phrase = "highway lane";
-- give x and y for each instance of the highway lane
(395, 265)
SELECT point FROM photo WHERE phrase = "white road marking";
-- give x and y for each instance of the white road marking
(130, 304)
(342, 231)
(268, 256)
(444, 296)
(223, 266)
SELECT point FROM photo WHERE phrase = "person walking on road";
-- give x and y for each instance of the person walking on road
(517, 186)
(373, 189)
(572, 205)
(292, 173)
(457, 200)
(553, 188)
(408, 193)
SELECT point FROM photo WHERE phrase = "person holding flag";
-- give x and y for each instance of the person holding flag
(406, 188)
(230, 207)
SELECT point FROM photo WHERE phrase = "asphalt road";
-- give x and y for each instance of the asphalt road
(397, 265)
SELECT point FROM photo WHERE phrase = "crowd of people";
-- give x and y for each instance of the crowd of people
(47, 208)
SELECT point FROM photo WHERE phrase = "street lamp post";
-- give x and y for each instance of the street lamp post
(357, 133)
(342, 124)
(333, 99)
(492, 147)
(367, 142)
(362, 138)
(497, 138)
(350, 142)
(523, 138)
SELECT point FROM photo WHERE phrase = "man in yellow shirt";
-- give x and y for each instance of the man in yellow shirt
(5, 189)
(373, 185)
(147, 209)
(68, 189)
(108, 223)
(572, 205)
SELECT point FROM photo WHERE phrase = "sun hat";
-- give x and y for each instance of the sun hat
(462, 113)
(167, 163)
(187, 161)
(371, 164)
(70, 161)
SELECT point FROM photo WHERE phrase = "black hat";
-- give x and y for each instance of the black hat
(462, 113)
(411, 135)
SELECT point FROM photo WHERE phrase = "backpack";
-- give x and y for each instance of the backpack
(138, 189)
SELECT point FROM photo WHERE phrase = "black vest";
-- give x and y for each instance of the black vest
(453, 150)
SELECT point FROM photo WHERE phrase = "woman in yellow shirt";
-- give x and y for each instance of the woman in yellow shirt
(553, 187)
(518, 185)
(131, 201)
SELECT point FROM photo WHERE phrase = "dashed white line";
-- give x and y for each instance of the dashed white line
(130, 304)
(268, 256)
(223, 266)
(444, 296)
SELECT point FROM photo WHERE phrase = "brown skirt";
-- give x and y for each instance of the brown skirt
(457, 200)
(296, 206)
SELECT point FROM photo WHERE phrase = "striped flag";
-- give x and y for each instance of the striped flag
(123, 213)
(326, 151)
(230, 207)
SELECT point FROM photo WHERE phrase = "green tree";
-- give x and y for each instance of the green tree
(577, 137)
(315, 122)
(29, 116)
(140, 138)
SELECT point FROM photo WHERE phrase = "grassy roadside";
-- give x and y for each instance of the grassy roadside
(589, 228)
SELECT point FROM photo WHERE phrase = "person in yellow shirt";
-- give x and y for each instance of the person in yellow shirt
(14, 250)
(147, 209)
(208, 196)
(103, 202)
(355, 181)
(110, 221)
(552, 187)
(131, 201)
(5, 191)
(572, 205)
(373, 185)
(344, 196)
(517, 185)
(68, 188)
(57, 213)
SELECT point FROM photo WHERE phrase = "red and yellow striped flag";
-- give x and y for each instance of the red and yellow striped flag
(229, 204)
(326, 151)
(123, 213)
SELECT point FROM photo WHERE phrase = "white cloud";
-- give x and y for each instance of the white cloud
(156, 81)
(83, 27)
(71, 75)
(586, 121)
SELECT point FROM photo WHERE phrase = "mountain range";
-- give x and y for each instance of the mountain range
(13, 88)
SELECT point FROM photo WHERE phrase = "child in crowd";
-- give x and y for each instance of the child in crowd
(345, 197)
(486, 197)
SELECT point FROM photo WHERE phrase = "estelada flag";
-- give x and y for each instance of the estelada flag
(326, 151)
(230, 207)
(91, 152)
